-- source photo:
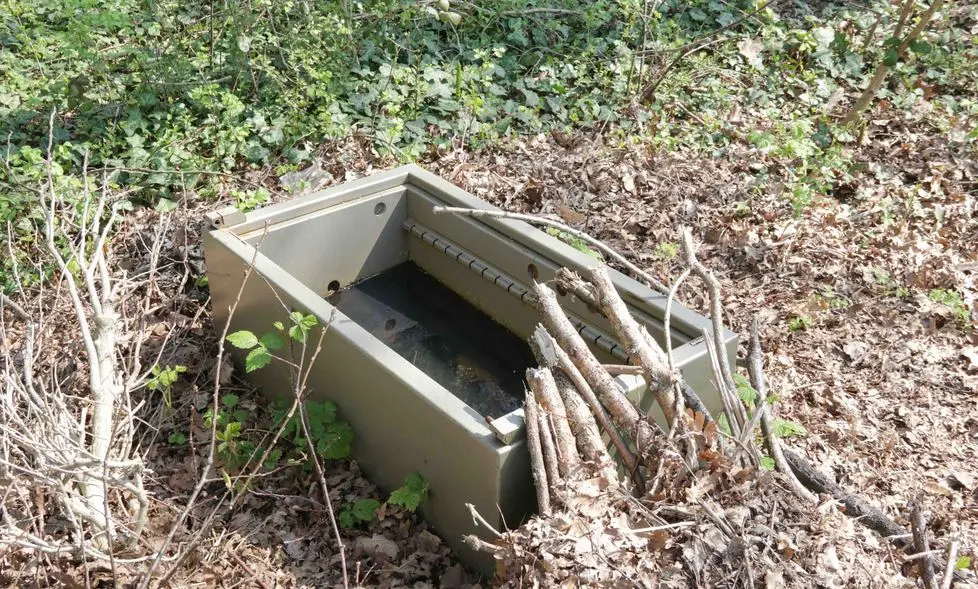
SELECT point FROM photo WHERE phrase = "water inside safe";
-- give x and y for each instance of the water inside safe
(459, 347)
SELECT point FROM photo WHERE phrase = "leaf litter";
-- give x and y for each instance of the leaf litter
(883, 378)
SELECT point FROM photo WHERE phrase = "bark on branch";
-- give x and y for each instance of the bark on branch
(645, 435)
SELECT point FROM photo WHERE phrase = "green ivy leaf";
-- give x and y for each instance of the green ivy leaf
(767, 463)
(257, 358)
(962, 563)
(786, 429)
(890, 58)
(177, 438)
(243, 340)
(165, 205)
(229, 401)
(920, 47)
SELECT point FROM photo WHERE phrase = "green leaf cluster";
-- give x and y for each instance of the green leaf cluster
(261, 348)
(412, 493)
(331, 437)
(163, 379)
(358, 512)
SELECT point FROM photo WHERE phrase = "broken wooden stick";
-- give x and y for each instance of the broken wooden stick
(919, 530)
(755, 368)
(646, 435)
(540, 481)
(585, 429)
(554, 356)
(544, 388)
(637, 340)
(716, 313)
(550, 459)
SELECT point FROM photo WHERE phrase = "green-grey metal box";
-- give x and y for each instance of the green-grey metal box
(403, 420)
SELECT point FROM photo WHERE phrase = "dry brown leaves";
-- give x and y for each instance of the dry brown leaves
(887, 385)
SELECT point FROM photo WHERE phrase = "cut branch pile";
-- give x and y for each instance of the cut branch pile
(690, 505)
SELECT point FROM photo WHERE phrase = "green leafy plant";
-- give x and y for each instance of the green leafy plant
(666, 250)
(358, 512)
(783, 428)
(748, 395)
(800, 323)
(163, 379)
(331, 437)
(230, 420)
(247, 200)
(833, 300)
(411, 494)
(177, 438)
(575, 242)
(953, 301)
(261, 348)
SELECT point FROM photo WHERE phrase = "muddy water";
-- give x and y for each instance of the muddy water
(458, 346)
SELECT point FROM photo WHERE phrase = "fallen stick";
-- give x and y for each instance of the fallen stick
(585, 429)
(540, 481)
(919, 529)
(624, 414)
(951, 558)
(716, 313)
(563, 361)
(755, 369)
(544, 388)
(550, 459)
(573, 284)
(620, 369)
(639, 343)
(573, 392)
(858, 509)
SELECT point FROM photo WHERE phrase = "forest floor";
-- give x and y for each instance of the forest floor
(856, 250)
(880, 371)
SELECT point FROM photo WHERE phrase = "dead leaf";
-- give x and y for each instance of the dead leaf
(855, 349)
(962, 479)
(970, 353)
(751, 50)
(568, 214)
(628, 183)
(377, 546)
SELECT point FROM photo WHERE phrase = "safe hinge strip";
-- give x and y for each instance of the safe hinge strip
(507, 283)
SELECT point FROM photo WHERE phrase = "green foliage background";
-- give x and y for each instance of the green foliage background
(161, 94)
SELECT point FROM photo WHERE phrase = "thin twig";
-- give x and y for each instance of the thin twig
(952, 560)
(479, 520)
(755, 369)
